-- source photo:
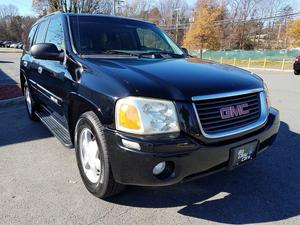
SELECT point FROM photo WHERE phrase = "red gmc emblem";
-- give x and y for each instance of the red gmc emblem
(234, 111)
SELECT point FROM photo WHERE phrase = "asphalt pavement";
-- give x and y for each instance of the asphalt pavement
(40, 182)
(9, 65)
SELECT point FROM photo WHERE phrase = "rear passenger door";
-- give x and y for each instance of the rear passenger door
(26, 60)
(33, 65)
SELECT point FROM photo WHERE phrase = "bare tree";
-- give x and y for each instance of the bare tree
(8, 11)
(27, 22)
(78, 6)
(94, 6)
(12, 26)
(136, 8)
(278, 26)
(239, 12)
(170, 9)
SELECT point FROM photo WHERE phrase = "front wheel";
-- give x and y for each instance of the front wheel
(92, 157)
(296, 72)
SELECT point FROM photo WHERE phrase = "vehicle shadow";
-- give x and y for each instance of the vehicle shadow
(5, 61)
(5, 78)
(265, 190)
(16, 127)
(8, 87)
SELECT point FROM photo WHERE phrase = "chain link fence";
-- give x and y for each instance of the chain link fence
(274, 59)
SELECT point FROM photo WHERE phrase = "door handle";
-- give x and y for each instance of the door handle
(40, 70)
(25, 63)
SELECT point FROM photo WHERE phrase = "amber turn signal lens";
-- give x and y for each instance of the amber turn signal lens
(129, 117)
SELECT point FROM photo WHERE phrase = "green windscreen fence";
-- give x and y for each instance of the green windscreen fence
(274, 55)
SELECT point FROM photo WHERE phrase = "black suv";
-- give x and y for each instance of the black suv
(137, 108)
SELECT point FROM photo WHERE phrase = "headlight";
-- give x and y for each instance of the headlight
(267, 95)
(146, 116)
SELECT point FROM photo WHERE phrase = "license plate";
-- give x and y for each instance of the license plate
(242, 154)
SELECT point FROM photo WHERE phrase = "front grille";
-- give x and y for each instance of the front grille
(210, 116)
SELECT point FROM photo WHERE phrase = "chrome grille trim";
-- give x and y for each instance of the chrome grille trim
(224, 95)
(264, 112)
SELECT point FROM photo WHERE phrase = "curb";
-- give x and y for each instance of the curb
(266, 69)
(4, 52)
(12, 102)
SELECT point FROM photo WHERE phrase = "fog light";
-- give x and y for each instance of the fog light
(159, 168)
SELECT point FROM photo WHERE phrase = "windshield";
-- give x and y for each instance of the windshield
(108, 35)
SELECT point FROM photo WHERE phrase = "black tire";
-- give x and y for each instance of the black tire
(31, 109)
(296, 72)
(106, 185)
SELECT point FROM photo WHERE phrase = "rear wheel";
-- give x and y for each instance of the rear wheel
(296, 72)
(30, 103)
(92, 157)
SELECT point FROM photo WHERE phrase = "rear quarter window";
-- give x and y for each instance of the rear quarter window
(30, 38)
(40, 35)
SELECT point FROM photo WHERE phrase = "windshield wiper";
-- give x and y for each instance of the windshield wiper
(162, 53)
(112, 52)
(140, 55)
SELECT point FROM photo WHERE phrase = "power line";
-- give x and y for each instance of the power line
(186, 25)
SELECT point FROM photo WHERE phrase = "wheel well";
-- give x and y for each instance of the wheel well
(76, 108)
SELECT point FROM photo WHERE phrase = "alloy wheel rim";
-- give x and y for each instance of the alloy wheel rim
(89, 155)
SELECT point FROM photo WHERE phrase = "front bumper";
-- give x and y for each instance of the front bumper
(189, 157)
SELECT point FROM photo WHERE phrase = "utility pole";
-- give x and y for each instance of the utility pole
(117, 6)
(177, 23)
(278, 35)
(203, 38)
(114, 7)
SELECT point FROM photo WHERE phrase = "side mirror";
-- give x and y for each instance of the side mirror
(185, 51)
(47, 51)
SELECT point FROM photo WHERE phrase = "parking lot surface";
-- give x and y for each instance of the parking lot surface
(9, 65)
(40, 182)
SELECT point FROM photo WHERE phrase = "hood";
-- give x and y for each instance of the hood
(174, 79)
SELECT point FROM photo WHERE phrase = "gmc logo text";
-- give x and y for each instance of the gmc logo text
(234, 111)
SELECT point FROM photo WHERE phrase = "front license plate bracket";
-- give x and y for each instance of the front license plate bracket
(242, 154)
